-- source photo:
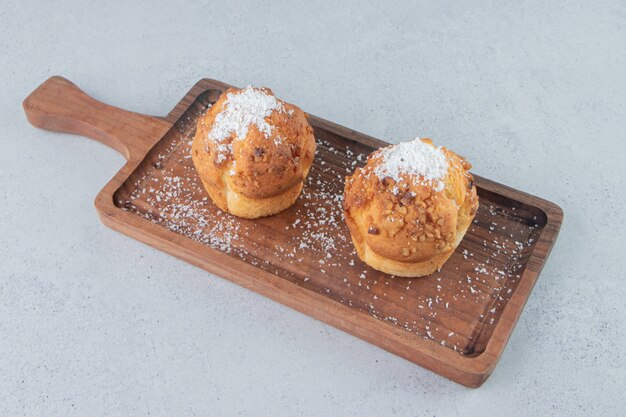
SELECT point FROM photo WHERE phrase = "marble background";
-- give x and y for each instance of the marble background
(95, 323)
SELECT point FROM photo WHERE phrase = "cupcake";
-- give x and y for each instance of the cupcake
(409, 207)
(252, 152)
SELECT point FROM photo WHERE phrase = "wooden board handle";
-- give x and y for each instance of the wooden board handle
(61, 106)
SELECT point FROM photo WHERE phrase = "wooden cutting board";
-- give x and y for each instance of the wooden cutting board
(455, 322)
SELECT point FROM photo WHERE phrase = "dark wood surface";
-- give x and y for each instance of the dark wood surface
(455, 322)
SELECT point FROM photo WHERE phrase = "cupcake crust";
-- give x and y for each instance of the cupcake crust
(408, 226)
(258, 170)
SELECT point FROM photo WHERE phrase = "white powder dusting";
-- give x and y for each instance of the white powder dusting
(242, 109)
(413, 158)
(319, 248)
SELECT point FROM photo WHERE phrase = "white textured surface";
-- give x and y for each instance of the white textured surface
(247, 107)
(416, 158)
(94, 323)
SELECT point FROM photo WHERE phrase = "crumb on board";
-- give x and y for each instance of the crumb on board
(314, 233)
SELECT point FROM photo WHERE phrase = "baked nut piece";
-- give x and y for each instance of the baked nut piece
(409, 207)
(253, 152)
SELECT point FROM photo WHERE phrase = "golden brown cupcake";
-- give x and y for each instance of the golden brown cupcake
(409, 207)
(253, 152)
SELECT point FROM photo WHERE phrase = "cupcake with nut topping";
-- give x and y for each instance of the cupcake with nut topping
(253, 152)
(409, 207)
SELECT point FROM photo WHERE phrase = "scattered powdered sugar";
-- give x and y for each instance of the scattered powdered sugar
(242, 109)
(309, 245)
(414, 158)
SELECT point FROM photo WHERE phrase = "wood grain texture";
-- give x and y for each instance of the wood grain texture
(455, 322)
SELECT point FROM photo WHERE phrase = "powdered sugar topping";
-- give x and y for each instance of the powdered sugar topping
(242, 109)
(415, 158)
